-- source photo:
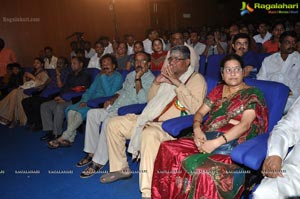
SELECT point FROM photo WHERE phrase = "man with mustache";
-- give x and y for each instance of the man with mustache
(284, 66)
(240, 46)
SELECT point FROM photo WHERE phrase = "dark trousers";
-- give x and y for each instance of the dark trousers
(31, 106)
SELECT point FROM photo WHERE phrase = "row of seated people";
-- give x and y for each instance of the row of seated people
(190, 89)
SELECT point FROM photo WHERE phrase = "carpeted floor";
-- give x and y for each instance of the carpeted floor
(29, 169)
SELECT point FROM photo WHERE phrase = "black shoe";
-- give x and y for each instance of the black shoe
(47, 137)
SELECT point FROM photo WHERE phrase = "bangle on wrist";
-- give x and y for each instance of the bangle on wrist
(138, 79)
(224, 137)
(195, 121)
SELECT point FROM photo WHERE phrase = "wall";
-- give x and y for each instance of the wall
(60, 18)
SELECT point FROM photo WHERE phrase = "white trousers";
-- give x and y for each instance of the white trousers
(74, 121)
(95, 134)
(280, 187)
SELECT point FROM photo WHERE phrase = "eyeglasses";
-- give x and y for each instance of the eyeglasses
(140, 61)
(175, 59)
(235, 70)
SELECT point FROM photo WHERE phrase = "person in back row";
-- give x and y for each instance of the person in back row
(134, 91)
(284, 66)
(240, 46)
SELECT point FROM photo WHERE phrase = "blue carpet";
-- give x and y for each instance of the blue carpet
(29, 169)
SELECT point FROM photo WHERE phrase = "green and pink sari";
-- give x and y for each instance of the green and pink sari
(181, 172)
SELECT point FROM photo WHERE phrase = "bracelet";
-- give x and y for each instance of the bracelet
(138, 79)
(224, 138)
(197, 121)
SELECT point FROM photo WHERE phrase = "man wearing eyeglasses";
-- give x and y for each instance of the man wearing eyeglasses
(284, 66)
(176, 92)
(240, 46)
(134, 91)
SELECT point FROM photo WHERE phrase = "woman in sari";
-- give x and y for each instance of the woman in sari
(200, 166)
(11, 109)
(158, 56)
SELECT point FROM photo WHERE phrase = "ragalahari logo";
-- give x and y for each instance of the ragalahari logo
(246, 9)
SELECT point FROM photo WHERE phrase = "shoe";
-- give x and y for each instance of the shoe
(84, 161)
(48, 136)
(115, 176)
(91, 170)
(54, 144)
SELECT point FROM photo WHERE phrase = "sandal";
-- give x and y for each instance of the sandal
(84, 161)
(54, 144)
(115, 176)
(91, 170)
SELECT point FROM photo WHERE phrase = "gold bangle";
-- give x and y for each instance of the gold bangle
(224, 138)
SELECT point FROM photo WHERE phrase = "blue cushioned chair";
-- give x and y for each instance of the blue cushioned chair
(202, 64)
(213, 66)
(45, 92)
(252, 152)
(261, 57)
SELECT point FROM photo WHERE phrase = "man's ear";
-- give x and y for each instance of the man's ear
(187, 62)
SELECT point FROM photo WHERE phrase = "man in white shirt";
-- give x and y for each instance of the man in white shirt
(129, 39)
(194, 42)
(263, 35)
(108, 48)
(95, 60)
(50, 60)
(284, 66)
(282, 168)
(89, 52)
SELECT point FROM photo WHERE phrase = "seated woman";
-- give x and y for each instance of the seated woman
(11, 110)
(31, 105)
(107, 83)
(158, 56)
(200, 166)
(138, 46)
(121, 55)
(272, 45)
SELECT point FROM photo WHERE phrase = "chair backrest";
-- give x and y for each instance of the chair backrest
(260, 59)
(93, 72)
(213, 66)
(202, 64)
(211, 82)
(275, 94)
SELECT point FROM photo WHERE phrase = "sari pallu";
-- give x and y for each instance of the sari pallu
(180, 172)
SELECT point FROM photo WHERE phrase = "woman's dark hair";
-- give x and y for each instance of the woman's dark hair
(231, 57)
(2, 43)
(111, 57)
(138, 42)
(15, 64)
(40, 60)
(157, 40)
(66, 62)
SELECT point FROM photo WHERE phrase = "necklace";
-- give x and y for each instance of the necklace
(229, 94)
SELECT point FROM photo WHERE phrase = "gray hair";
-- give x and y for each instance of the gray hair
(183, 49)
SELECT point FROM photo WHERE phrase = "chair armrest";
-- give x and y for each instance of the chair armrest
(176, 125)
(94, 103)
(31, 91)
(69, 95)
(50, 92)
(134, 108)
(252, 152)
